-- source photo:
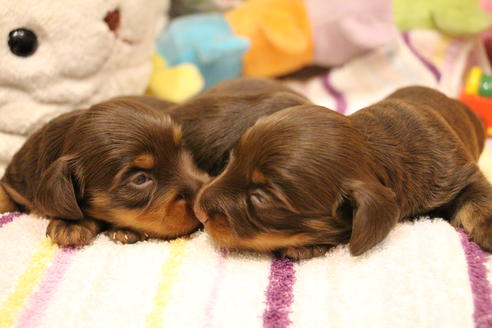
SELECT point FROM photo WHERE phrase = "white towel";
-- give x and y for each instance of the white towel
(425, 274)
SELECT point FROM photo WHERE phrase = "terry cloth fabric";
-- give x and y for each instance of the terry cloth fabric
(85, 53)
(425, 274)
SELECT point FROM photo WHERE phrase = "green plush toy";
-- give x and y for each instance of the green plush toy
(452, 17)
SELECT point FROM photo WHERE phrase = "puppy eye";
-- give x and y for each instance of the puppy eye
(141, 179)
(258, 198)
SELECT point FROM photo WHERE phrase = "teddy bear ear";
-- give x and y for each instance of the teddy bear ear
(284, 33)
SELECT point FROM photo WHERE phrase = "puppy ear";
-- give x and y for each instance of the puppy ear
(56, 195)
(375, 213)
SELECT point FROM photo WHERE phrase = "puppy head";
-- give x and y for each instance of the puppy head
(298, 177)
(124, 163)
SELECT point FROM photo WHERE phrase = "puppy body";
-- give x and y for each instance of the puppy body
(120, 162)
(424, 146)
(304, 179)
(214, 121)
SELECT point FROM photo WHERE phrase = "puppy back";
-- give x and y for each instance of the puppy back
(465, 123)
(425, 142)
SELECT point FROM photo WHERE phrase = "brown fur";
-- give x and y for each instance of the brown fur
(318, 178)
(213, 122)
(85, 169)
(6, 203)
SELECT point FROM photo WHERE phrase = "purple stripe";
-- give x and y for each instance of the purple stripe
(340, 101)
(279, 294)
(35, 310)
(480, 286)
(7, 218)
(430, 66)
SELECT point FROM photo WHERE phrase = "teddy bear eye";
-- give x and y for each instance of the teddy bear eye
(22, 42)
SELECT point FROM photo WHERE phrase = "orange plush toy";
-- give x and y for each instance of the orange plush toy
(280, 35)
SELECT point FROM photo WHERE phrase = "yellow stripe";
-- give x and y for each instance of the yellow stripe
(25, 284)
(170, 270)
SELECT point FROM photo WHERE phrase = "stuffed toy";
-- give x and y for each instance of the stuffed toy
(486, 5)
(177, 83)
(349, 29)
(284, 35)
(207, 41)
(62, 55)
(187, 7)
(279, 32)
(477, 94)
(451, 17)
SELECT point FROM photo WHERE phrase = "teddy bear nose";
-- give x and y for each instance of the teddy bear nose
(22, 42)
(112, 19)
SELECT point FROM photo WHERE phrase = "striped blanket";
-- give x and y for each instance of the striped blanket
(425, 274)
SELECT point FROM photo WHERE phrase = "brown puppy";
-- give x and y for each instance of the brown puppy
(120, 161)
(306, 178)
(214, 121)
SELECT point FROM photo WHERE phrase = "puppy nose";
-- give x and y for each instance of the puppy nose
(203, 205)
(22, 42)
(200, 214)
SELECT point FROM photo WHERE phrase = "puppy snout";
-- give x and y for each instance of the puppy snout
(203, 207)
(200, 213)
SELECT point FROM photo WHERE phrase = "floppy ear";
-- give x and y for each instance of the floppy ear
(375, 213)
(56, 195)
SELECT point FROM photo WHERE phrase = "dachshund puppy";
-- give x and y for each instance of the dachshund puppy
(305, 178)
(120, 162)
(214, 121)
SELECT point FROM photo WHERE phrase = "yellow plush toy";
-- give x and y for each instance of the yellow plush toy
(280, 35)
(176, 83)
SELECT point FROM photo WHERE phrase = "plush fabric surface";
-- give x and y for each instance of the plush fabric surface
(80, 59)
(425, 274)
(280, 35)
(418, 57)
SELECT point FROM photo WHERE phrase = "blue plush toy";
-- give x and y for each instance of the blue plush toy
(207, 41)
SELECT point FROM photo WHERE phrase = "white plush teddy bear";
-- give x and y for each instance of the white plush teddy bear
(59, 55)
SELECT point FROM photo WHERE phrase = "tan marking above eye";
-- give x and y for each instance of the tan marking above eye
(258, 177)
(144, 161)
(177, 134)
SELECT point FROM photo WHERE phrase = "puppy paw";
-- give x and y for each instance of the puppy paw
(73, 233)
(125, 236)
(482, 235)
(6, 203)
(304, 252)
